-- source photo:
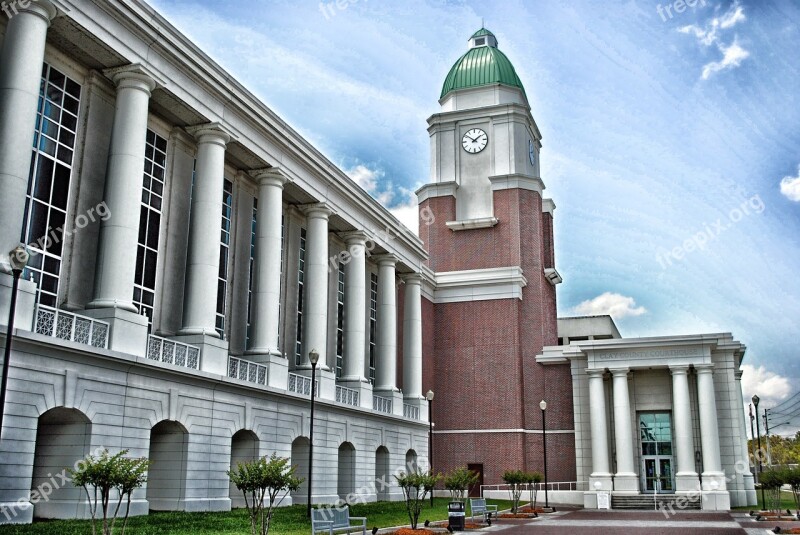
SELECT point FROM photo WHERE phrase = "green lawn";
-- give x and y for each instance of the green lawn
(287, 521)
(787, 502)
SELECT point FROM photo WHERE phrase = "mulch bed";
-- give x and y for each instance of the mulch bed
(409, 531)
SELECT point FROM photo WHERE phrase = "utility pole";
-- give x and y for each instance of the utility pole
(766, 432)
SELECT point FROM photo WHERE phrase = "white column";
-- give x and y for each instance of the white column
(265, 302)
(599, 430)
(709, 431)
(386, 365)
(119, 234)
(20, 76)
(355, 308)
(748, 483)
(685, 476)
(625, 478)
(412, 337)
(315, 311)
(202, 266)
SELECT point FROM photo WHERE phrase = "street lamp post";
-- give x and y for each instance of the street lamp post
(752, 432)
(18, 258)
(313, 356)
(760, 468)
(429, 397)
(543, 406)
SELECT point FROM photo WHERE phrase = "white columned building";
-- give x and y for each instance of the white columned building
(667, 393)
(20, 78)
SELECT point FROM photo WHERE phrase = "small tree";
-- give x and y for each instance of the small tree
(264, 480)
(515, 479)
(772, 481)
(106, 474)
(458, 481)
(791, 476)
(415, 486)
(534, 478)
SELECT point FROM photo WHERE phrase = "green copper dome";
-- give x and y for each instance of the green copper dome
(483, 64)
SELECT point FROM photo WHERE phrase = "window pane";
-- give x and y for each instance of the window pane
(44, 178)
(61, 187)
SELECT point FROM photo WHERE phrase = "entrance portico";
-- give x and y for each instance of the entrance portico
(654, 415)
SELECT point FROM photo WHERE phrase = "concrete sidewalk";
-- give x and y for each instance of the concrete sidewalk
(593, 522)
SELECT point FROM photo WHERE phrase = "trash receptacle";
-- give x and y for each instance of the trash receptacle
(456, 515)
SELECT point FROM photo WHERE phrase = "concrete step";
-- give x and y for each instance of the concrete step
(645, 501)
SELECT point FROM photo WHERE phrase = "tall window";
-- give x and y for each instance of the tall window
(340, 322)
(373, 324)
(49, 179)
(144, 283)
(301, 275)
(224, 246)
(252, 264)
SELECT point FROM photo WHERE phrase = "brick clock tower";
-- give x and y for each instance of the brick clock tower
(492, 305)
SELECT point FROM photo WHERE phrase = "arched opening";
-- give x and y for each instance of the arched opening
(63, 437)
(346, 483)
(411, 461)
(166, 479)
(244, 447)
(382, 477)
(300, 460)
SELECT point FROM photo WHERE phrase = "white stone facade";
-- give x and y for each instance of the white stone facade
(178, 323)
(692, 383)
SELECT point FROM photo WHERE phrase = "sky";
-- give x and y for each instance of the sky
(671, 139)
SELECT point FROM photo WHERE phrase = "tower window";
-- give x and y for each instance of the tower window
(480, 41)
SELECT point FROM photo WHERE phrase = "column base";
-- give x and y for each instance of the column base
(421, 403)
(128, 330)
(213, 351)
(112, 303)
(26, 302)
(687, 482)
(751, 497)
(716, 501)
(277, 367)
(397, 399)
(603, 479)
(714, 481)
(199, 331)
(191, 505)
(364, 391)
(626, 483)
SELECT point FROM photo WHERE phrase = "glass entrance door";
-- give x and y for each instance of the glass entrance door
(655, 431)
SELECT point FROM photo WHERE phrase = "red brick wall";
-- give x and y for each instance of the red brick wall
(483, 354)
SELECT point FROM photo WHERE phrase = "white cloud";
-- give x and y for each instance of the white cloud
(790, 186)
(614, 304)
(365, 177)
(732, 57)
(709, 34)
(408, 214)
(769, 386)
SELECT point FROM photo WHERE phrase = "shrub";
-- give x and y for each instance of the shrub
(458, 481)
(791, 476)
(533, 478)
(415, 486)
(772, 481)
(106, 474)
(261, 480)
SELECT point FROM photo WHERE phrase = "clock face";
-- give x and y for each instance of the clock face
(474, 140)
(531, 152)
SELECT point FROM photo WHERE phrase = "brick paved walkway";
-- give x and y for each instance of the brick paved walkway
(580, 522)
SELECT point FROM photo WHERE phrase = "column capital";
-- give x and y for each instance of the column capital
(595, 373)
(317, 210)
(679, 369)
(619, 372)
(355, 237)
(41, 8)
(388, 259)
(134, 76)
(270, 176)
(214, 133)
(412, 278)
(738, 374)
(704, 368)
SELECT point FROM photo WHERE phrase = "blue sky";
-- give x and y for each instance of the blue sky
(659, 127)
